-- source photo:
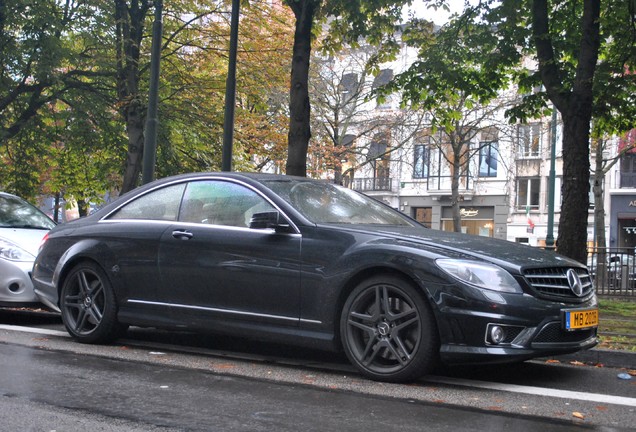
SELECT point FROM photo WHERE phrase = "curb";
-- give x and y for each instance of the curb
(605, 357)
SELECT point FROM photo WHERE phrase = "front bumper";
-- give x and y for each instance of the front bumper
(15, 283)
(532, 328)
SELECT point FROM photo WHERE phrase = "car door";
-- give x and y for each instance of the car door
(133, 234)
(213, 266)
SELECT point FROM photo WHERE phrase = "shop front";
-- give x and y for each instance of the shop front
(623, 221)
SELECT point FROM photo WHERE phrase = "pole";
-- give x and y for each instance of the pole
(549, 239)
(152, 119)
(230, 91)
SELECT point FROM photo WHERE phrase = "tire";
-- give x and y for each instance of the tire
(388, 331)
(88, 305)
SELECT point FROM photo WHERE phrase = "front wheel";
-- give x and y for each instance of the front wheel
(87, 302)
(388, 331)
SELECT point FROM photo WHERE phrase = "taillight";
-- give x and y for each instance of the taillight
(44, 239)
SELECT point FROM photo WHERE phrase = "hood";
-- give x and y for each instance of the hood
(513, 256)
(28, 239)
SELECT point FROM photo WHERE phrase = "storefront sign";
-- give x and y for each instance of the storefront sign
(468, 212)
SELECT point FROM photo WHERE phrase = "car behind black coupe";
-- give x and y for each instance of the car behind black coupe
(306, 262)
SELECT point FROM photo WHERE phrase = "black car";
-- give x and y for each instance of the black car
(309, 263)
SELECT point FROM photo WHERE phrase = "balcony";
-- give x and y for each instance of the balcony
(372, 184)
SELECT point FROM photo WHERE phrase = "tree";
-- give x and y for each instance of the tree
(43, 51)
(375, 20)
(346, 118)
(458, 77)
(581, 53)
(194, 64)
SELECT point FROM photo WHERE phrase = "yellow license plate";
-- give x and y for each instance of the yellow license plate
(580, 319)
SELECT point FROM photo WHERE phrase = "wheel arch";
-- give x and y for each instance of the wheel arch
(372, 272)
(82, 251)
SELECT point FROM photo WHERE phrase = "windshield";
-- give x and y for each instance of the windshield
(17, 213)
(323, 202)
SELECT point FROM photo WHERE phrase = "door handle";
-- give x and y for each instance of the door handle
(183, 235)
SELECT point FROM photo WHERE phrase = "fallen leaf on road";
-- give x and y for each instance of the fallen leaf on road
(577, 363)
(578, 415)
(601, 408)
(632, 372)
(225, 366)
(552, 361)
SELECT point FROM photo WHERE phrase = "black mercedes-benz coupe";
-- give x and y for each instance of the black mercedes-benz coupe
(306, 262)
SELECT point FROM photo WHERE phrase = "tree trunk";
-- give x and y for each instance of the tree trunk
(575, 106)
(130, 33)
(135, 114)
(299, 109)
(457, 218)
(572, 239)
(599, 202)
(599, 216)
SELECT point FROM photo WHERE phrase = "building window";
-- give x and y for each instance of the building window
(379, 155)
(528, 193)
(530, 140)
(421, 156)
(628, 170)
(423, 215)
(383, 78)
(349, 83)
(488, 154)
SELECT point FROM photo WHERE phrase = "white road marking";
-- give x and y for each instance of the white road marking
(540, 391)
(34, 330)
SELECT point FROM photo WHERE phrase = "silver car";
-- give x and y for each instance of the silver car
(22, 227)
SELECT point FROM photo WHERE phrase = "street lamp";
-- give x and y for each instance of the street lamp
(230, 91)
(549, 239)
(152, 118)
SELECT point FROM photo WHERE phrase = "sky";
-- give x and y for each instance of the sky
(437, 16)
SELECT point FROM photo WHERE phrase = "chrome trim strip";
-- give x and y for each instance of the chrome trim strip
(208, 309)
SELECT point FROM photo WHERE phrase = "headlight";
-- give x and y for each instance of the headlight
(13, 252)
(482, 275)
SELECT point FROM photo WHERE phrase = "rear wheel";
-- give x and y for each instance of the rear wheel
(388, 331)
(89, 309)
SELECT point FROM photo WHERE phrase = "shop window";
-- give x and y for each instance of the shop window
(423, 215)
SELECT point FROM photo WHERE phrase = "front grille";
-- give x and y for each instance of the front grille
(553, 282)
(554, 333)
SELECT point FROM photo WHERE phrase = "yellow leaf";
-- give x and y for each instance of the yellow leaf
(578, 415)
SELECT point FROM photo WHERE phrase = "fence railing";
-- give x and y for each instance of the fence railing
(372, 184)
(613, 270)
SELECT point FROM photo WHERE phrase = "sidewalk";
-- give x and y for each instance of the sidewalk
(604, 357)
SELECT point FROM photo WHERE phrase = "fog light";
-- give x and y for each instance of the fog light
(497, 334)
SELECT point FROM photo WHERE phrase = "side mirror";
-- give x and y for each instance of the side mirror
(269, 219)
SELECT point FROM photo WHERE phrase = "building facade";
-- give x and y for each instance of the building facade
(505, 183)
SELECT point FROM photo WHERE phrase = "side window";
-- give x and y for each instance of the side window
(218, 202)
(160, 204)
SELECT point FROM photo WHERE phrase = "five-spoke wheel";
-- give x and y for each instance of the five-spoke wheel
(87, 301)
(388, 331)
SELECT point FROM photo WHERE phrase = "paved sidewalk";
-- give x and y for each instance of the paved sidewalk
(605, 357)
